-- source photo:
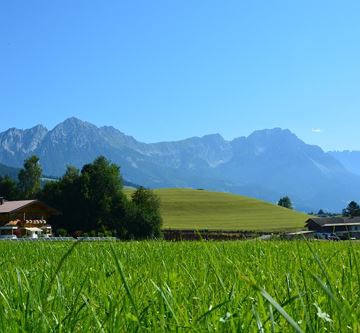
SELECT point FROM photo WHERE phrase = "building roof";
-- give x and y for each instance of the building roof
(12, 206)
(341, 224)
(334, 221)
(302, 232)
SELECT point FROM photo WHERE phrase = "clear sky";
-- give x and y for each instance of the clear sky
(166, 70)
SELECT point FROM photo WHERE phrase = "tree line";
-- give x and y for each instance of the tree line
(351, 210)
(91, 200)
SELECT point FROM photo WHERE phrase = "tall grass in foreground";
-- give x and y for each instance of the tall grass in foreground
(202, 286)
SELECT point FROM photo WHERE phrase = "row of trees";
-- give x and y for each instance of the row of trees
(90, 200)
(352, 209)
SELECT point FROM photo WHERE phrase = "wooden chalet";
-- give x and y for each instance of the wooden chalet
(25, 218)
(343, 227)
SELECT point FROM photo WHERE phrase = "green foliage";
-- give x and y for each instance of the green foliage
(249, 286)
(352, 210)
(8, 188)
(89, 200)
(65, 195)
(285, 202)
(29, 178)
(61, 232)
(144, 218)
(92, 202)
(102, 197)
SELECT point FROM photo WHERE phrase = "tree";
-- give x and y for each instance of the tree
(29, 178)
(285, 202)
(90, 200)
(101, 189)
(143, 215)
(65, 195)
(353, 209)
(321, 213)
(8, 188)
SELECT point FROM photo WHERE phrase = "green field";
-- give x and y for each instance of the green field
(248, 286)
(195, 209)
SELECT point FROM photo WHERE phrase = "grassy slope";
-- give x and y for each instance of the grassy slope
(189, 209)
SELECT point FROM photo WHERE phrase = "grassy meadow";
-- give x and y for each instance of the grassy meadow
(156, 286)
(195, 209)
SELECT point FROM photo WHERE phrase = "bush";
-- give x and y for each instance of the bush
(61, 232)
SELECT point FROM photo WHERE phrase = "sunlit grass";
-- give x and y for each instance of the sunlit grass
(194, 209)
(246, 286)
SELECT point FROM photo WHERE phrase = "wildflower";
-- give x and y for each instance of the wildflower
(226, 317)
(322, 315)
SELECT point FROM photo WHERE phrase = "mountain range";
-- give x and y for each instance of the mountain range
(267, 164)
(349, 159)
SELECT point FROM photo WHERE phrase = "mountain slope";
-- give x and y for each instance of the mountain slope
(350, 160)
(266, 165)
(278, 160)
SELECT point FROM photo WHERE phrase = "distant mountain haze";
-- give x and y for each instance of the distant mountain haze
(267, 164)
(349, 159)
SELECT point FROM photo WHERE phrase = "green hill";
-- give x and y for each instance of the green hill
(190, 209)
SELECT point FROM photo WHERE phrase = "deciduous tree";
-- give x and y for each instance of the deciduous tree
(285, 202)
(30, 178)
(8, 188)
(144, 218)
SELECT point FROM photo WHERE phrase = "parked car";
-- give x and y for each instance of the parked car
(333, 237)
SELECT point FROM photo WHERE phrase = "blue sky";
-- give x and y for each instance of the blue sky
(166, 70)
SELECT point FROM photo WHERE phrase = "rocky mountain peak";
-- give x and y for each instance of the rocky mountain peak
(73, 123)
(274, 136)
(16, 141)
(266, 164)
(73, 131)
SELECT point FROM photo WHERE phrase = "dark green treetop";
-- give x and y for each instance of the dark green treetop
(352, 209)
(144, 217)
(285, 202)
(29, 177)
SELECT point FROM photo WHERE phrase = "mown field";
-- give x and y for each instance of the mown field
(194, 209)
(248, 286)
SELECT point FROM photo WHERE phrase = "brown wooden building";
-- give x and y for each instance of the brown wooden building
(25, 218)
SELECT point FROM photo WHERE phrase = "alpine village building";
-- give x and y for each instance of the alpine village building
(25, 218)
(342, 227)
